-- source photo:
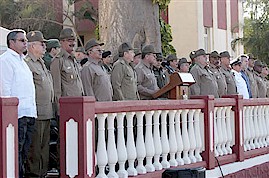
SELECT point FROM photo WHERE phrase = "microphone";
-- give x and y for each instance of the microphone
(168, 67)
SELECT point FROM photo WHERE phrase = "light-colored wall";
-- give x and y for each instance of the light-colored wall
(182, 17)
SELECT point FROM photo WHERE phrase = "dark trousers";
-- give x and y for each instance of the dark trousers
(38, 158)
(26, 128)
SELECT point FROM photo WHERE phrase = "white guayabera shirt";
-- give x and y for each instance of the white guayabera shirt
(241, 85)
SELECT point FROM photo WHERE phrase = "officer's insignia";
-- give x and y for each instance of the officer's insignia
(71, 76)
(27, 59)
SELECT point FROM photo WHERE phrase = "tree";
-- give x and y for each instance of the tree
(131, 21)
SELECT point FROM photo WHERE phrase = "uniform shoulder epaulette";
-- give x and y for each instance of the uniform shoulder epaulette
(27, 58)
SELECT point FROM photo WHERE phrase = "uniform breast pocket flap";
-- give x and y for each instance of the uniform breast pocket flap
(69, 74)
(38, 76)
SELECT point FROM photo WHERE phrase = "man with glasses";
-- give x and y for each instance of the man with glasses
(159, 72)
(16, 80)
(146, 81)
(38, 160)
(65, 70)
(123, 76)
(96, 81)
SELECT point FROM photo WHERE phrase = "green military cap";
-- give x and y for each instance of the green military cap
(67, 33)
(182, 61)
(214, 54)
(192, 55)
(35, 36)
(225, 54)
(53, 43)
(251, 56)
(258, 63)
(91, 43)
(171, 57)
(80, 49)
(125, 47)
(160, 57)
(148, 49)
(137, 52)
(200, 52)
(106, 54)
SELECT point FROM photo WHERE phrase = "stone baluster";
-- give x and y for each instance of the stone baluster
(164, 140)
(111, 146)
(121, 148)
(131, 150)
(224, 131)
(229, 130)
(185, 137)
(264, 127)
(101, 152)
(216, 139)
(150, 151)
(172, 138)
(219, 131)
(246, 113)
(259, 119)
(252, 131)
(267, 123)
(256, 128)
(198, 138)
(191, 136)
(179, 138)
(140, 144)
(157, 140)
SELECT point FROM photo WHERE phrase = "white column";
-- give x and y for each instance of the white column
(229, 130)
(179, 138)
(131, 150)
(101, 153)
(111, 146)
(164, 140)
(191, 136)
(157, 140)
(197, 135)
(172, 138)
(140, 144)
(185, 137)
(121, 148)
(150, 151)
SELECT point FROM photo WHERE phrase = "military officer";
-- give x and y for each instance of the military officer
(53, 47)
(214, 67)
(146, 81)
(37, 162)
(206, 83)
(226, 71)
(261, 84)
(159, 71)
(183, 65)
(123, 75)
(65, 70)
(250, 73)
(94, 77)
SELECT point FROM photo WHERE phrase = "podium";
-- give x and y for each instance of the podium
(178, 87)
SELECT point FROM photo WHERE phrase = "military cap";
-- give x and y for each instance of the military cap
(125, 47)
(182, 61)
(137, 52)
(251, 56)
(106, 53)
(225, 54)
(53, 43)
(148, 49)
(35, 36)
(80, 49)
(171, 57)
(258, 63)
(192, 55)
(235, 62)
(91, 43)
(159, 56)
(214, 54)
(200, 52)
(67, 33)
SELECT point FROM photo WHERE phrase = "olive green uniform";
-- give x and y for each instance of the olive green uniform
(261, 85)
(220, 78)
(230, 81)
(252, 82)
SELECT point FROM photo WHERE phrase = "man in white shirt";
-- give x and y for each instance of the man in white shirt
(240, 83)
(16, 80)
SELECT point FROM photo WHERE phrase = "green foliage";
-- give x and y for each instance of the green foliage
(96, 32)
(162, 3)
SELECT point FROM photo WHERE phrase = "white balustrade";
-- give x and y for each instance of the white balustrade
(219, 131)
(263, 125)
(157, 140)
(229, 130)
(164, 140)
(224, 131)
(251, 127)
(150, 151)
(197, 135)
(185, 137)
(267, 123)
(140, 144)
(245, 128)
(179, 138)
(111, 146)
(216, 138)
(191, 136)
(121, 148)
(130, 144)
(256, 127)
(101, 152)
(172, 138)
(259, 120)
